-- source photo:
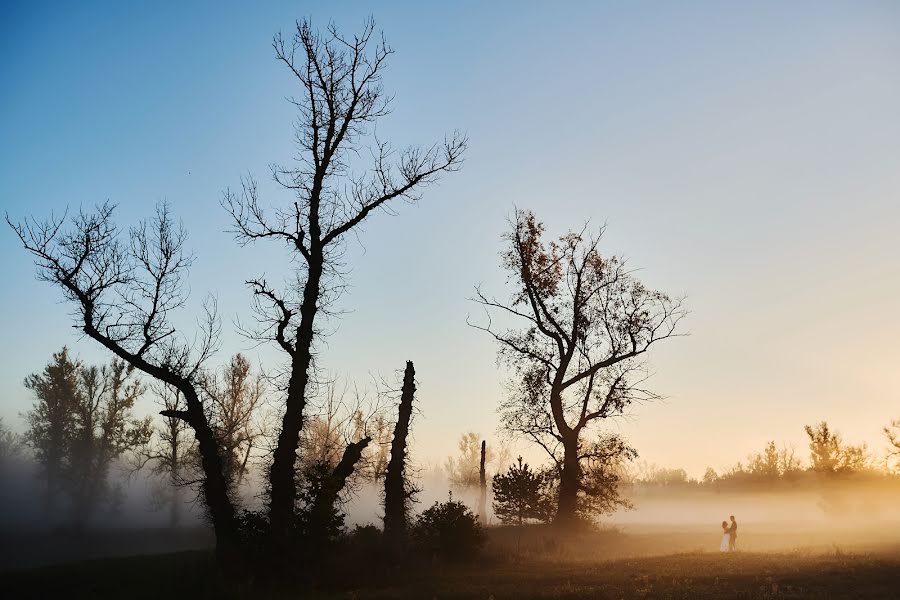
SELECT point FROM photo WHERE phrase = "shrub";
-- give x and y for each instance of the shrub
(450, 530)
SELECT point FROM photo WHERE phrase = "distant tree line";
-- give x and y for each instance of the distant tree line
(829, 459)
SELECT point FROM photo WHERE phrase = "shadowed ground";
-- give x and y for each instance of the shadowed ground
(690, 575)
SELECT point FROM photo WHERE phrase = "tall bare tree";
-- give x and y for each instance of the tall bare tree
(588, 321)
(333, 191)
(125, 293)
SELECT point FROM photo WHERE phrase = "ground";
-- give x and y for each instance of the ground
(599, 565)
(688, 575)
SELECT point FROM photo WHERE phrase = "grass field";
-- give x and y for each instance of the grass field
(848, 561)
(685, 575)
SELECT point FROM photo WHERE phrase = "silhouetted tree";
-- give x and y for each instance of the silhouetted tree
(519, 495)
(341, 97)
(397, 489)
(482, 486)
(125, 294)
(588, 321)
(377, 454)
(51, 422)
(829, 454)
(105, 428)
(321, 489)
(10, 444)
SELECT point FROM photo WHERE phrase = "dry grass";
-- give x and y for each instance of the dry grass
(606, 564)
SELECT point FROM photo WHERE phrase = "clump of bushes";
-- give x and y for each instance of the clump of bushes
(449, 530)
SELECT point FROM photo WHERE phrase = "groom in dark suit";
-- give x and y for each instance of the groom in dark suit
(732, 534)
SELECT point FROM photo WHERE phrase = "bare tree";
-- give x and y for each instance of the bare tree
(588, 322)
(341, 97)
(124, 294)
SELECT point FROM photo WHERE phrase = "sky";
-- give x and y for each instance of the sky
(743, 154)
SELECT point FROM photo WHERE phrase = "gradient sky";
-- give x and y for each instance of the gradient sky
(744, 154)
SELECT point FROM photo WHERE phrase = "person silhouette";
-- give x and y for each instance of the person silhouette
(732, 534)
(726, 538)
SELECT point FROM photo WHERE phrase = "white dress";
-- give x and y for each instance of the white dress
(723, 547)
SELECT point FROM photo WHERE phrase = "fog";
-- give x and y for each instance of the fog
(664, 519)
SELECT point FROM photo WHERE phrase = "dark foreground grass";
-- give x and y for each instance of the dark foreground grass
(689, 576)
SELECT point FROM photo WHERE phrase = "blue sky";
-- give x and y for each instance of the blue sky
(745, 154)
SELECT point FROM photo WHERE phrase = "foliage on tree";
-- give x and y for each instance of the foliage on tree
(587, 324)
(449, 530)
(520, 495)
(600, 491)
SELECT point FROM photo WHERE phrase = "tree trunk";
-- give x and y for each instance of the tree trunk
(569, 482)
(395, 490)
(331, 489)
(482, 479)
(282, 476)
(215, 484)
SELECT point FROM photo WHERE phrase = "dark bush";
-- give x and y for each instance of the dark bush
(450, 530)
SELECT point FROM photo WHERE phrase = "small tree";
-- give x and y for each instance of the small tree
(519, 495)
(51, 423)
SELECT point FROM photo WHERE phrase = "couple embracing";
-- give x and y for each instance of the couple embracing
(729, 535)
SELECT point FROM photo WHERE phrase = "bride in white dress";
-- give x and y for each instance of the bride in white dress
(723, 547)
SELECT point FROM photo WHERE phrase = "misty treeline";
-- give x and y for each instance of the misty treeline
(573, 332)
(827, 459)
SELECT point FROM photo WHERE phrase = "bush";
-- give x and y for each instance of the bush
(450, 530)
